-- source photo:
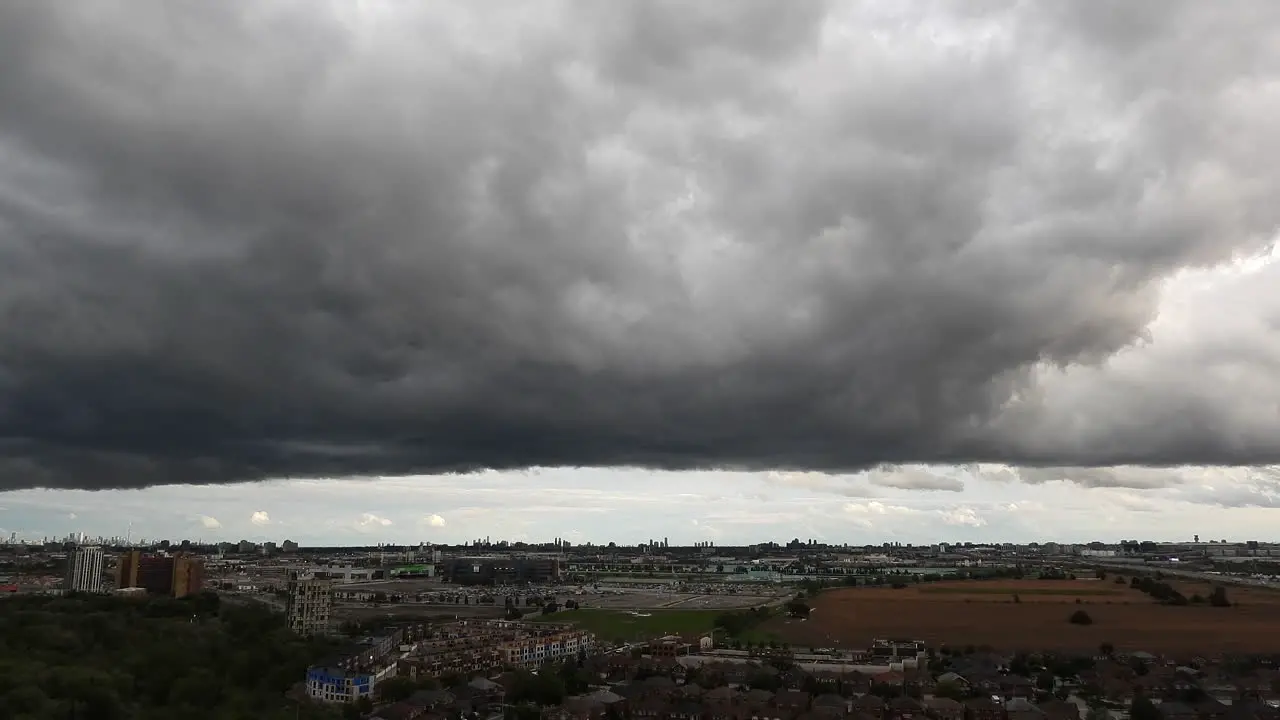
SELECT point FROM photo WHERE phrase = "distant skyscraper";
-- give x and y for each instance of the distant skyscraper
(84, 569)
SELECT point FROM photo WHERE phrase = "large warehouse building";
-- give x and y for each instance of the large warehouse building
(501, 571)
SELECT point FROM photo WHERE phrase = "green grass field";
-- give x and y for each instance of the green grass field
(977, 589)
(621, 625)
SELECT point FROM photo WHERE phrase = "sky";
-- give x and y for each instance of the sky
(736, 270)
(905, 504)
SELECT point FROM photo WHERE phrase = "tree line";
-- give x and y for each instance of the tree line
(111, 658)
(1166, 594)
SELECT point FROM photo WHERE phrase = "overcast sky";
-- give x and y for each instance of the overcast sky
(899, 270)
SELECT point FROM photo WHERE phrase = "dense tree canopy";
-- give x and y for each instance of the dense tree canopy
(111, 658)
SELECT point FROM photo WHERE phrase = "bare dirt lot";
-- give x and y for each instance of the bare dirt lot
(984, 613)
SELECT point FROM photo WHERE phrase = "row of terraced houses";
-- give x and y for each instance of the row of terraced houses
(465, 647)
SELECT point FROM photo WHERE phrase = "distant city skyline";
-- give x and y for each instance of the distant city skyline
(499, 544)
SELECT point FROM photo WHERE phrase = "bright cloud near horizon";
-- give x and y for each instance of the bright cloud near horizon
(823, 268)
(918, 504)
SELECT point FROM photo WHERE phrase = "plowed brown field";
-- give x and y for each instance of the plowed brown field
(983, 613)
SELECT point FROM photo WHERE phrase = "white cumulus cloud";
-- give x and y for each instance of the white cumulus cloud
(965, 516)
(434, 520)
(370, 520)
(211, 523)
(878, 508)
(260, 518)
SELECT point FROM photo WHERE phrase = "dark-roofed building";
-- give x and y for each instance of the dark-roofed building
(831, 704)
(905, 708)
(869, 704)
(1208, 708)
(1020, 708)
(1056, 709)
(941, 708)
(759, 696)
(502, 571)
(1176, 711)
(1252, 710)
(398, 711)
(792, 700)
(983, 708)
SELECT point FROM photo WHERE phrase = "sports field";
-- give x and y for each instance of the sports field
(987, 613)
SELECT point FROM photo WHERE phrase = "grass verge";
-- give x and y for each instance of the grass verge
(621, 625)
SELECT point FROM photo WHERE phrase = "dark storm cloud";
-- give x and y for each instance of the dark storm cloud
(246, 240)
(906, 478)
(1132, 478)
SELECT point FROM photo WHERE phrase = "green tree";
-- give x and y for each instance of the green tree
(396, 688)
(109, 657)
(1045, 681)
(1143, 709)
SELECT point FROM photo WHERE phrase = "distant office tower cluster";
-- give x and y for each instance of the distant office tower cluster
(309, 602)
(84, 569)
(173, 575)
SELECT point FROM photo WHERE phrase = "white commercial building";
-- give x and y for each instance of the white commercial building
(84, 569)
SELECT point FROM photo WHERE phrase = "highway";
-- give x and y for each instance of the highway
(1173, 571)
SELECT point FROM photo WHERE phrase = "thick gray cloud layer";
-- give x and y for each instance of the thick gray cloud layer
(244, 240)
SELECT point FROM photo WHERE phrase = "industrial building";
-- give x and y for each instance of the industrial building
(414, 571)
(174, 575)
(309, 603)
(84, 569)
(501, 570)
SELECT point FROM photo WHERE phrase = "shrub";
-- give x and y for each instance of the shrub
(1080, 617)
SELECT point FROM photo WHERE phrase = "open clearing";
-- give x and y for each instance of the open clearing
(984, 613)
(617, 625)
(642, 600)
